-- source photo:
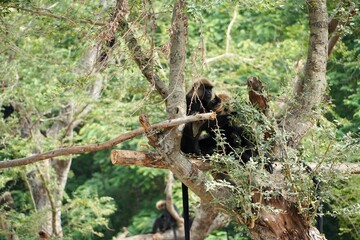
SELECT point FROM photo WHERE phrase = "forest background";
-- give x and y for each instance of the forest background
(46, 47)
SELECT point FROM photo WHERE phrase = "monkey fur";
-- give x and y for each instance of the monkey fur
(200, 99)
(165, 221)
(200, 138)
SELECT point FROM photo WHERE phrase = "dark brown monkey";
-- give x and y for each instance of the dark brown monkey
(236, 140)
(201, 137)
(200, 99)
(165, 221)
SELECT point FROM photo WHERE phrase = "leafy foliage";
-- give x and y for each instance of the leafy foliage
(42, 71)
(85, 213)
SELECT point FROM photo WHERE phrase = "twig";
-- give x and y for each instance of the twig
(227, 46)
(48, 13)
(107, 144)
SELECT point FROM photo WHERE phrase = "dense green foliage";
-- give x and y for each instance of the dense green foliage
(40, 69)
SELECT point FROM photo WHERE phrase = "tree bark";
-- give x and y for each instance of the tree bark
(155, 160)
(310, 87)
(308, 94)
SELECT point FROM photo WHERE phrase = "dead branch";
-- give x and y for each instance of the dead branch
(150, 134)
(149, 159)
(104, 145)
(48, 13)
(154, 160)
(228, 32)
(257, 95)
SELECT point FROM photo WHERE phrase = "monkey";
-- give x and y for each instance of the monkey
(6, 201)
(7, 111)
(200, 138)
(234, 135)
(7, 204)
(200, 99)
(104, 54)
(165, 221)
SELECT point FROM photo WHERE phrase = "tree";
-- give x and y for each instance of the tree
(260, 203)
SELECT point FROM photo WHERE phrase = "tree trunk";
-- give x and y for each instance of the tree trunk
(48, 180)
(310, 87)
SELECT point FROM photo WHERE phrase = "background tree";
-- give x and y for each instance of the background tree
(64, 92)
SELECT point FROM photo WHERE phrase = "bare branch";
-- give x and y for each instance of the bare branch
(100, 146)
(227, 54)
(149, 159)
(219, 57)
(228, 36)
(153, 139)
(48, 13)
(154, 160)
(143, 61)
(334, 29)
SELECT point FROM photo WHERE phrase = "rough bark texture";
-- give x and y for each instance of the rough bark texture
(288, 224)
(310, 88)
(309, 91)
(205, 221)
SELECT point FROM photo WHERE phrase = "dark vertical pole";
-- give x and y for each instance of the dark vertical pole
(185, 195)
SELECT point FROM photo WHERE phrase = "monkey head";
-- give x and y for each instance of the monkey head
(160, 205)
(222, 104)
(201, 98)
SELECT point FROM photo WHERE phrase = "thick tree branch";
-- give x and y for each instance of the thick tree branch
(143, 61)
(154, 160)
(205, 222)
(310, 88)
(101, 146)
(178, 33)
(334, 26)
(149, 159)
